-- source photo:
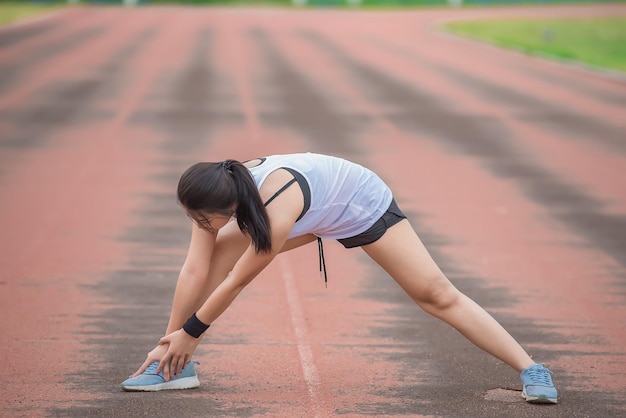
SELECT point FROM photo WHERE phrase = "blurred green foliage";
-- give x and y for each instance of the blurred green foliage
(12, 11)
(320, 3)
(598, 42)
(422, 3)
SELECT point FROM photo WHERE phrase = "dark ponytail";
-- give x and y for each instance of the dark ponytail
(224, 187)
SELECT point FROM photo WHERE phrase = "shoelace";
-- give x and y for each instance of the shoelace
(152, 368)
(540, 376)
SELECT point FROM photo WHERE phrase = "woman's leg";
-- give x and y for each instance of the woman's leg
(401, 253)
(230, 245)
(298, 242)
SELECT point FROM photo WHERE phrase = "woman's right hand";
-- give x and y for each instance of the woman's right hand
(155, 355)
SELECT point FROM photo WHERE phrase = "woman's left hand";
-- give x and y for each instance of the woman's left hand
(181, 347)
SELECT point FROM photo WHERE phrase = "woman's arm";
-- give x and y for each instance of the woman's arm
(247, 268)
(181, 344)
(282, 214)
(190, 288)
(192, 280)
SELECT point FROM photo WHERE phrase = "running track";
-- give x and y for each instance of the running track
(511, 169)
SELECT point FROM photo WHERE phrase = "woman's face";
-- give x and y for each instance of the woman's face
(211, 222)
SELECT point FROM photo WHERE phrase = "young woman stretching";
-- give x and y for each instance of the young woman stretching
(246, 214)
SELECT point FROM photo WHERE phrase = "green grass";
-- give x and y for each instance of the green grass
(12, 12)
(599, 42)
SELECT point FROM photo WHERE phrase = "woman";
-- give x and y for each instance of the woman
(282, 202)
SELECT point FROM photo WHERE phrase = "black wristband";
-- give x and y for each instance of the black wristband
(195, 327)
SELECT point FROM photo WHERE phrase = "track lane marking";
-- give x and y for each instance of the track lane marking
(309, 369)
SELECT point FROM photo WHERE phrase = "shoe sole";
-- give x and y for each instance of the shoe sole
(538, 399)
(178, 384)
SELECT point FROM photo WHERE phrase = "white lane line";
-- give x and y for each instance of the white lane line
(311, 375)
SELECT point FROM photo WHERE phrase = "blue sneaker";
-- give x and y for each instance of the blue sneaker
(538, 386)
(150, 381)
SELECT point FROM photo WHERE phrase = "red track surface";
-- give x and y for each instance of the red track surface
(511, 168)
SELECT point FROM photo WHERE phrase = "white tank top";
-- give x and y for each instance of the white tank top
(346, 198)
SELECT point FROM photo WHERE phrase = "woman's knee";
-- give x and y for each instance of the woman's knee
(438, 295)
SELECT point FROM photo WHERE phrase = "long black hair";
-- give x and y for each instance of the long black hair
(226, 187)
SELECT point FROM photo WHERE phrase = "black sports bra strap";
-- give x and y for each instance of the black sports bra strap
(319, 240)
(282, 189)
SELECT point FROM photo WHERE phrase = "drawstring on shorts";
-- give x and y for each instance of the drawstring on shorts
(320, 248)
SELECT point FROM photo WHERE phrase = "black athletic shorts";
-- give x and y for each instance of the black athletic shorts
(389, 219)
